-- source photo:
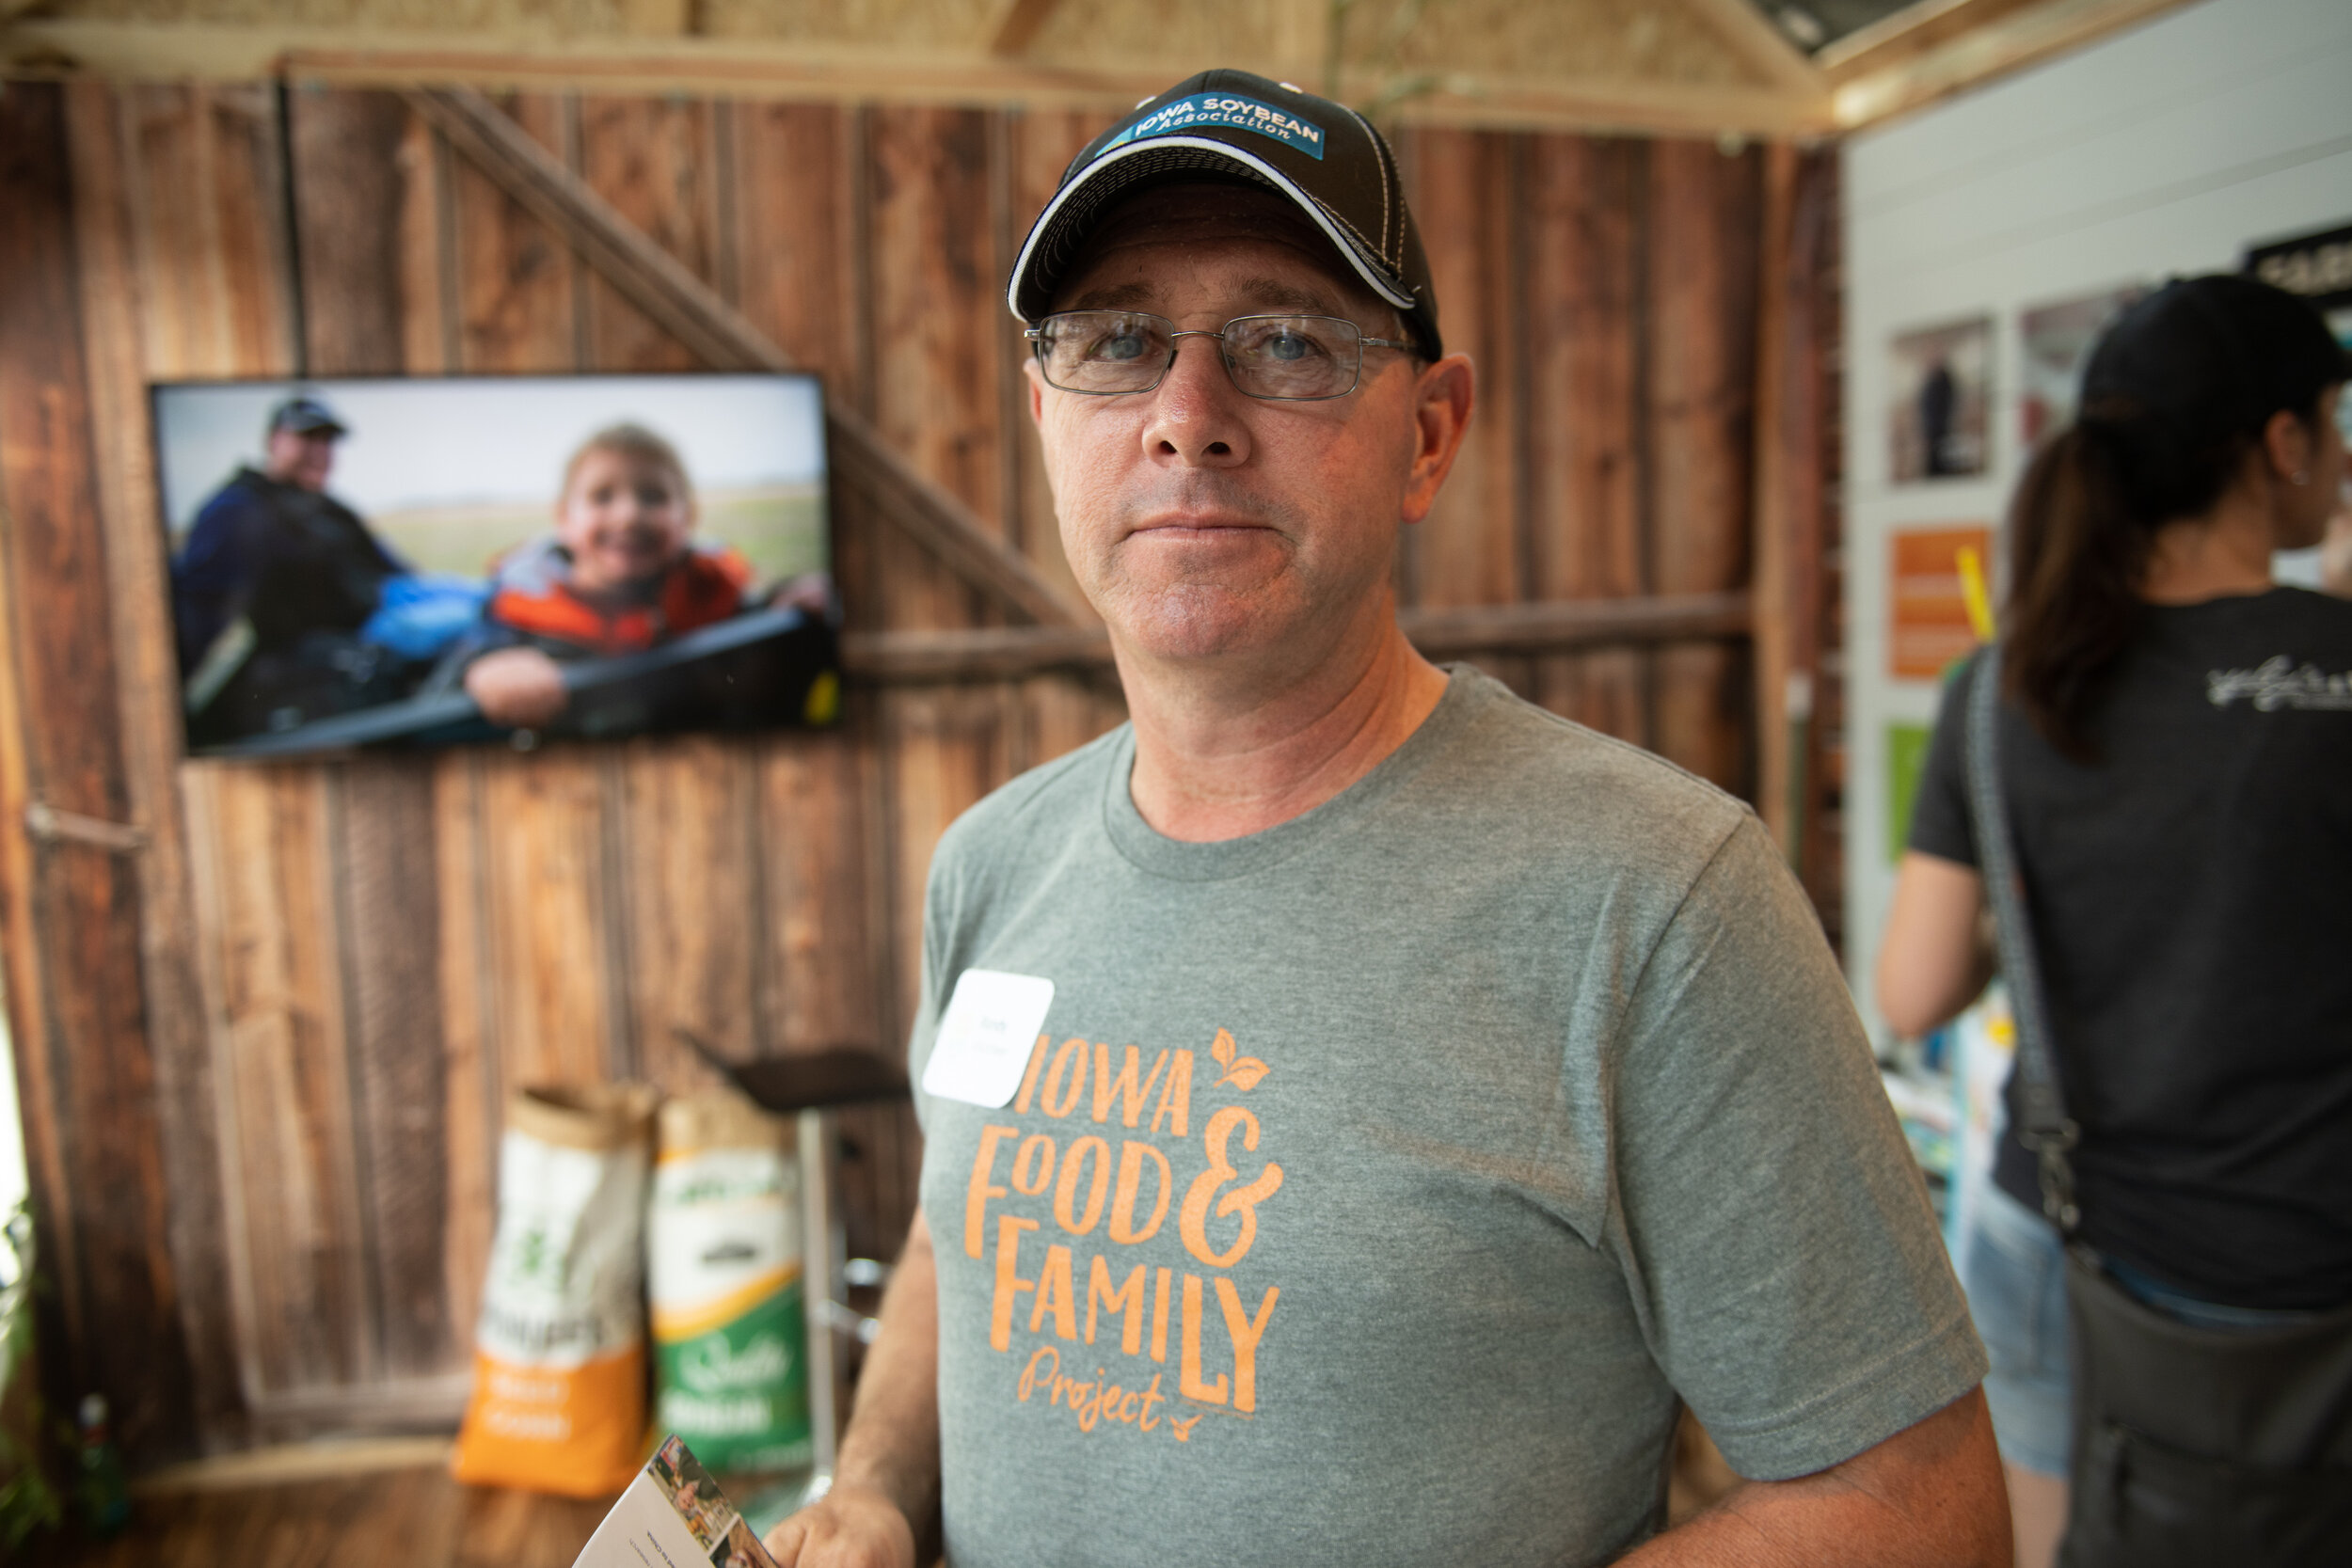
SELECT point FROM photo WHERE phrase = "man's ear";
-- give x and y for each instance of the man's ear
(1443, 394)
(1036, 390)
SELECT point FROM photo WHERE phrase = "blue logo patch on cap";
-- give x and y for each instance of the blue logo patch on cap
(1227, 111)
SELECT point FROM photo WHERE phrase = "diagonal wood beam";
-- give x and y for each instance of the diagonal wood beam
(1929, 51)
(1011, 24)
(656, 283)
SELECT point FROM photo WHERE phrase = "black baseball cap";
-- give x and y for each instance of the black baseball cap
(1232, 125)
(307, 415)
(2216, 357)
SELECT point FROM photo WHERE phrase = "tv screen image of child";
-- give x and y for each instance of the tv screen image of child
(620, 573)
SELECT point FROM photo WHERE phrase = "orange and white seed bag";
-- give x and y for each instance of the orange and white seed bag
(559, 1391)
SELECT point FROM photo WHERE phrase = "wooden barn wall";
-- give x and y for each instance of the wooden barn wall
(262, 1036)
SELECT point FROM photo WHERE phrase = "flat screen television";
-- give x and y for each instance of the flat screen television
(419, 562)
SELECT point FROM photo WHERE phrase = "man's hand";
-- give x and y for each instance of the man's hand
(520, 688)
(849, 1527)
(885, 1490)
(1930, 1496)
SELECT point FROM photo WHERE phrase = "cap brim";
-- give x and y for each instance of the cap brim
(1056, 237)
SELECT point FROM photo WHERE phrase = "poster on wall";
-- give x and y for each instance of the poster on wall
(2057, 340)
(1906, 763)
(1931, 622)
(1939, 413)
(430, 561)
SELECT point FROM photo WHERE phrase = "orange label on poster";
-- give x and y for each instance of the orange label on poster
(1928, 601)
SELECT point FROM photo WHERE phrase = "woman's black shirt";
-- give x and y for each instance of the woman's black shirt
(2192, 900)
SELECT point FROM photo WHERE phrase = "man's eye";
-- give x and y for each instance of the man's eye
(1283, 345)
(1118, 346)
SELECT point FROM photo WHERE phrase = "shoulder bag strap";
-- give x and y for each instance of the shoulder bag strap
(2042, 1101)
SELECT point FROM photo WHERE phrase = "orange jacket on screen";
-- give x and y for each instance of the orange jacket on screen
(533, 595)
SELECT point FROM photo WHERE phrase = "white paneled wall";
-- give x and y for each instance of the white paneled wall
(2166, 150)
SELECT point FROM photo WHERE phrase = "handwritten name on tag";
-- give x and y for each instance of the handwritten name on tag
(986, 1034)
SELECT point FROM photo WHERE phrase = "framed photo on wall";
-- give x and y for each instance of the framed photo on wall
(1938, 414)
(2057, 339)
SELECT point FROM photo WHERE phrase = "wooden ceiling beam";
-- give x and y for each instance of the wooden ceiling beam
(1948, 46)
(1907, 34)
(1763, 46)
(841, 73)
(655, 281)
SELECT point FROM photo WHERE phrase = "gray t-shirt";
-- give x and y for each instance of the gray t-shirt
(1381, 1179)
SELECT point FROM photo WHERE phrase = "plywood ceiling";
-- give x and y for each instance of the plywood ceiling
(1737, 68)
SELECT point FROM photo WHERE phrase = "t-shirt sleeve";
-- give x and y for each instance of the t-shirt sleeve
(1940, 823)
(1777, 1235)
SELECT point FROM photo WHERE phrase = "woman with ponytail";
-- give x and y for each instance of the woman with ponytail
(2174, 746)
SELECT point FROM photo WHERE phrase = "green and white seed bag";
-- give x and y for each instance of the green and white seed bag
(730, 1334)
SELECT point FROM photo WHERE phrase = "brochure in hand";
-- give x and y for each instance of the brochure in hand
(673, 1515)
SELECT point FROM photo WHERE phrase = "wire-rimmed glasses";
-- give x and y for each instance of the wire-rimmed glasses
(1295, 358)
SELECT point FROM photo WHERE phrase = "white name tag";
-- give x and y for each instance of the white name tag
(986, 1036)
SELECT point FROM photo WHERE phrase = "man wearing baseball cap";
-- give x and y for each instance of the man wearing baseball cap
(271, 563)
(1362, 1108)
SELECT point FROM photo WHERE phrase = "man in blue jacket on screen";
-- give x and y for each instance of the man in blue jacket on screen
(272, 586)
(1363, 1109)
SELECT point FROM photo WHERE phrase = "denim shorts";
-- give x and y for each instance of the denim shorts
(2016, 1283)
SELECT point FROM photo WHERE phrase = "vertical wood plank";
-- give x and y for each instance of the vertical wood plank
(148, 686)
(1583, 345)
(208, 229)
(1702, 386)
(1585, 210)
(471, 1080)
(391, 919)
(693, 909)
(1040, 145)
(86, 1072)
(1461, 185)
(946, 753)
(794, 236)
(350, 198)
(350, 206)
(656, 160)
(426, 251)
(816, 970)
(265, 892)
(550, 917)
(1792, 400)
(936, 340)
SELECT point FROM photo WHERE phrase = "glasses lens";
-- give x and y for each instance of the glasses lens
(1104, 351)
(1293, 356)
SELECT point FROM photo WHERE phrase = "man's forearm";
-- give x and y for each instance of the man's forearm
(893, 1441)
(1930, 1497)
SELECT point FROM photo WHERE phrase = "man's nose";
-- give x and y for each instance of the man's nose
(1197, 411)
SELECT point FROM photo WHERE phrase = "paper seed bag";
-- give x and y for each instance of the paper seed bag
(559, 1394)
(729, 1323)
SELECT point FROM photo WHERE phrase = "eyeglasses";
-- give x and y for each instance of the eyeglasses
(1295, 358)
